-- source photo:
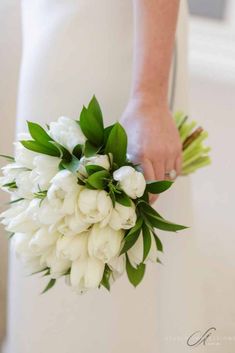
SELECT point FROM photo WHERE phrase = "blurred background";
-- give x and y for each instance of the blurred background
(212, 103)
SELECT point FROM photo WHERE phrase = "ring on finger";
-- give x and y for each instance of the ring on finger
(172, 174)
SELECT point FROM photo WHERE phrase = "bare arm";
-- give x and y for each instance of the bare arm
(153, 136)
(155, 25)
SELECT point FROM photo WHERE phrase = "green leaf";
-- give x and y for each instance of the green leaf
(50, 284)
(145, 196)
(38, 133)
(42, 194)
(158, 243)
(95, 109)
(68, 272)
(112, 196)
(90, 150)
(163, 224)
(147, 209)
(9, 158)
(40, 271)
(47, 273)
(72, 166)
(93, 168)
(10, 236)
(117, 144)
(132, 236)
(34, 146)
(157, 187)
(135, 275)
(99, 180)
(77, 151)
(107, 131)
(91, 127)
(89, 186)
(64, 153)
(146, 241)
(156, 220)
(11, 185)
(80, 182)
(123, 199)
(106, 277)
(15, 201)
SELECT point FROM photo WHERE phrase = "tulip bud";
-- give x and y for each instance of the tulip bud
(86, 273)
(63, 192)
(122, 217)
(45, 168)
(72, 248)
(135, 253)
(58, 267)
(94, 205)
(99, 159)
(130, 181)
(67, 132)
(104, 243)
(42, 240)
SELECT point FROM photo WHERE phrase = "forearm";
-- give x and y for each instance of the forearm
(154, 26)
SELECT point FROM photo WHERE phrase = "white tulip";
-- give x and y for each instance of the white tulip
(25, 185)
(18, 218)
(135, 253)
(130, 181)
(58, 267)
(13, 211)
(102, 160)
(10, 173)
(66, 180)
(72, 248)
(122, 217)
(118, 266)
(67, 132)
(63, 192)
(45, 168)
(23, 156)
(104, 243)
(20, 244)
(94, 205)
(41, 211)
(42, 240)
(32, 264)
(73, 224)
(86, 273)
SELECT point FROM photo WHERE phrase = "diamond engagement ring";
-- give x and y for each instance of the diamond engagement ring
(171, 174)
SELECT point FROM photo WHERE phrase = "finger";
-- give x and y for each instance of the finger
(159, 170)
(178, 165)
(170, 165)
(148, 170)
(152, 198)
(149, 175)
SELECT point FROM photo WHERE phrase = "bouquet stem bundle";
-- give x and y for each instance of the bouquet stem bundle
(195, 154)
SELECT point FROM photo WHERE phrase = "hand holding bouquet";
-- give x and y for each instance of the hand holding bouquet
(80, 208)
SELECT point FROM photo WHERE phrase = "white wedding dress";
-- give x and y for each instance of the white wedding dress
(71, 50)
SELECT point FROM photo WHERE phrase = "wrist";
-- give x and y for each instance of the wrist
(155, 97)
(146, 100)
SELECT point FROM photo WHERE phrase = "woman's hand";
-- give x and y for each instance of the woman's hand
(153, 138)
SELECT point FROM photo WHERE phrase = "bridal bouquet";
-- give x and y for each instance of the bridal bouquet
(80, 208)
